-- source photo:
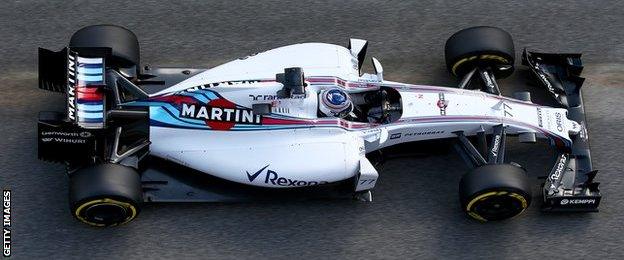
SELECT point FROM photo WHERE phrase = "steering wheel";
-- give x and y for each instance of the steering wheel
(382, 110)
(387, 107)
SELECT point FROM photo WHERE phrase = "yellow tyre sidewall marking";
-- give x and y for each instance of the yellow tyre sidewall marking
(105, 201)
(480, 57)
(469, 207)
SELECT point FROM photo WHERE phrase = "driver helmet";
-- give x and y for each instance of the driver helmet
(335, 102)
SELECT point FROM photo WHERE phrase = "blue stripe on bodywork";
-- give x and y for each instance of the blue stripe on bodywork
(83, 70)
(85, 102)
(93, 66)
(90, 120)
(163, 115)
(90, 115)
(90, 79)
(91, 108)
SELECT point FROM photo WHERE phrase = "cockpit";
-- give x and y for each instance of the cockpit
(381, 106)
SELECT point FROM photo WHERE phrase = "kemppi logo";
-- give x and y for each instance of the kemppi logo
(577, 201)
(559, 121)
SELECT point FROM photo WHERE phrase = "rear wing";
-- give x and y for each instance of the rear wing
(53, 70)
(80, 73)
(570, 185)
(95, 126)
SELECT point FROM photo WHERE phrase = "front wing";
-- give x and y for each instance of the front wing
(570, 185)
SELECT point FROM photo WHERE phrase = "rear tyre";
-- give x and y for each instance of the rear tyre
(481, 46)
(495, 192)
(123, 42)
(105, 195)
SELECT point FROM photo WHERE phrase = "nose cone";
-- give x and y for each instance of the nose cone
(574, 128)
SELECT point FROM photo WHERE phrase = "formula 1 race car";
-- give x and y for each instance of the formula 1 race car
(300, 120)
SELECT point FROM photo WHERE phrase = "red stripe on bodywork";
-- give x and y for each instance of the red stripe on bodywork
(276, 121)
(89, 89)
(176, 99)
(89, 96)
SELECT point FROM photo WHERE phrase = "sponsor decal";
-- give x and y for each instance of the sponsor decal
(395, 136)
(558, 121)
(65, 137)
(442, 104)
(371, 131)
(71, 87)
(263, 97)
(577, 201)
(497, 140)
(539, 117)
(432, 132)
(220, 114)
(488, 80)
(273, 178)
(6, 223)
(252, 177)
(559, 168)
(217, 114)
(546, 82)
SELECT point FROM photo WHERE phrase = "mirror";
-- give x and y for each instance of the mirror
(378, 68)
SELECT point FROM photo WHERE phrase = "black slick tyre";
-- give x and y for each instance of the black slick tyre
(481, 46)
(495, 192)
(105, 195)
(123, 43)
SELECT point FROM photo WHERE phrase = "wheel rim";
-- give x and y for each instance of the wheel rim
(105, 212)
(496, 205)
(483, 57)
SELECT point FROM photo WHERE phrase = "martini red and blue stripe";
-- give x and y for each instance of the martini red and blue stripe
(89, 95)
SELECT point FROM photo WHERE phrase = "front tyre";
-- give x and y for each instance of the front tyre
(105, 195)
(481, 46)
(495, 192)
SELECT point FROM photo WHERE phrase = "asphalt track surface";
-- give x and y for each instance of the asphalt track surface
(415, 213)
